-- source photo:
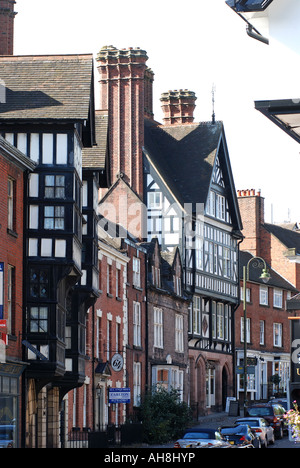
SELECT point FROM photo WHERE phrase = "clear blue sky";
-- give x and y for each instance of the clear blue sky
(192, 44)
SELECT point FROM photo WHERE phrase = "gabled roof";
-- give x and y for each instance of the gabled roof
(46, 87)
(276, 280)
(184, 156)
(289, 238)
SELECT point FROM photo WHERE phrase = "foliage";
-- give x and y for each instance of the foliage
(292, 418)
(164, 416)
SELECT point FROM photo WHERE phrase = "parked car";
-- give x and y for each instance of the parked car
(240, 435)
(199, 436)
(261, 428)
(272, 413)
(6, 436)
(280, 401)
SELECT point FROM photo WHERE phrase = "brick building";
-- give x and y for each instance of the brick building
(279, 245)
(7, 15)
(167, 321)
(14, 168)
(268, 331)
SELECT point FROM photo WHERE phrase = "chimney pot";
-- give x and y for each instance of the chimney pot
(178, 107)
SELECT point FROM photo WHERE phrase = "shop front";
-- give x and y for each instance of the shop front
(10, 430)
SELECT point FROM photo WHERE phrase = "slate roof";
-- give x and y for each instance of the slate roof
(184, 153)
(184, 156)
(276, 279)
(95, 157)
(289, 238)
(46, 87)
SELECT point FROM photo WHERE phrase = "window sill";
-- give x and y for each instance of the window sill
(12, 233)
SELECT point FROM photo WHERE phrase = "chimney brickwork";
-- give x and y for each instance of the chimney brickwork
(125, 91)
(178, 107)
(7, 16)
(251, 205)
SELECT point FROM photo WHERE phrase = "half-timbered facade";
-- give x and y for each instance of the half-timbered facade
(48, 114)
(191, 203)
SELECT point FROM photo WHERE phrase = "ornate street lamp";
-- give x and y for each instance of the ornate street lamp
(258, 262)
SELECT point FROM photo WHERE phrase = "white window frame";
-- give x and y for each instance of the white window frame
(179, 342)
(154, 200)
(248, 331)
(158, 328)
(136, 269)
(277, 298)
(136, 384)
(137, 339)
(261, 332)
(277, 335)
(263, 295)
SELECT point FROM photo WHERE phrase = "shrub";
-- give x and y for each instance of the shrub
(164, 416)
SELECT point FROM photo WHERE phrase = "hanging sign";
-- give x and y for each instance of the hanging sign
(117, 362)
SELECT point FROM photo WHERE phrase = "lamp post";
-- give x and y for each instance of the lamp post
(258, 262)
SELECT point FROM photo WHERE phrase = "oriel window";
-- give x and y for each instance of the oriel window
(54, 186)
(54, 217)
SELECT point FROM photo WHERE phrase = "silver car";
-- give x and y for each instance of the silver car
(261, 428)
(200, 437)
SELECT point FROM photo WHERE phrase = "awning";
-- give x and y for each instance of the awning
(284, 113)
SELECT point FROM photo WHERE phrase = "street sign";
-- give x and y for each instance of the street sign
(119, 395)
(3, 324)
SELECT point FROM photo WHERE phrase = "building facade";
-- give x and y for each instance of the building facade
(15, 168)
(267, 332)
(167, 322)
(61, 284)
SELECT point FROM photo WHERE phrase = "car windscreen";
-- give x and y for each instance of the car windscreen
(198, 435)
(233, 430)
(264, 411)
(250, 422)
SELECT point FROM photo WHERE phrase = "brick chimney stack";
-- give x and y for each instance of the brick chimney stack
(251, 205)
(125, 91)
(178, 107)
(7, 17)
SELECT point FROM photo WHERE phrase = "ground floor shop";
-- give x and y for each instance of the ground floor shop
(10, 404)
(268, 375)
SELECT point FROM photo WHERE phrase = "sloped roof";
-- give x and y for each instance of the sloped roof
(95, 157)
(184, 156)
(276, 280)
(46, 87)
(289, 238)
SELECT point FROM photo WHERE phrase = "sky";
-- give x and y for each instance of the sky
(195, 45)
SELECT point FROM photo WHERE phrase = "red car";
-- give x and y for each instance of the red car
(272, 413)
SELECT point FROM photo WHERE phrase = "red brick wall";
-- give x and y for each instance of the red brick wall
(11, 249)
(122, 92)
(270, 315)
(7, 27)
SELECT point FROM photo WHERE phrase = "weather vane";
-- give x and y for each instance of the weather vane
(213, 91)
